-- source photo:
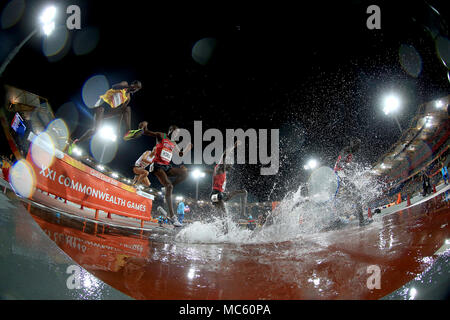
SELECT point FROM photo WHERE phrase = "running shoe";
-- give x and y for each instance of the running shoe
(177, 224)
(174, 222)
(133, 134)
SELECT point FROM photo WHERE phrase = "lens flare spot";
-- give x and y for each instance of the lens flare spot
(443, 50)
(59, 133)
(43, 150)
(23, 179)
(69, 113)
(103, 150)
(93, 88)
(203, 50)
(410, 60)
(55, 44)
(86, 40)
(12, 13)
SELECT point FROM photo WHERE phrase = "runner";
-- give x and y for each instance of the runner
(347, 191)
(116, 100)
(141, 175)
(162, 166)
(219, 181)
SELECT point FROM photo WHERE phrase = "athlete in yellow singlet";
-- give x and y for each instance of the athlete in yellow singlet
(116, 101)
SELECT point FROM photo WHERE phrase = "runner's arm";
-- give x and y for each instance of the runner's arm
(120, 85)
(158, 135)
(186, 149)
(224, 156)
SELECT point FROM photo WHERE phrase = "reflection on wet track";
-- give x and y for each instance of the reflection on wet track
(327, 265)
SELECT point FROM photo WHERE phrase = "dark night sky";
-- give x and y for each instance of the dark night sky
(313, 71)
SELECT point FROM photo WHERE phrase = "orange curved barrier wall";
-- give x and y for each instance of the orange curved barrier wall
(72, 180)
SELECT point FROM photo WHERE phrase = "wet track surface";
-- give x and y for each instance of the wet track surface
(327, 265)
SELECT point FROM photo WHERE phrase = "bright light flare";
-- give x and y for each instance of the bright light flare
(391, 104)
(412, 293)
(197, 174)
(77, 151)
(428, 122)
(107, 133)
(312, 164)
(439, 104)
(43, 150)
(48, 28)
(48, 15)
(47, 19)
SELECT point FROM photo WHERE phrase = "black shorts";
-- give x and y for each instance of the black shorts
(165, 167)
(221, 196)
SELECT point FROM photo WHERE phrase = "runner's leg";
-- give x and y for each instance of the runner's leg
(127, 118)
(142, 174)
(146, 181)
(98, 119)
(168, 186)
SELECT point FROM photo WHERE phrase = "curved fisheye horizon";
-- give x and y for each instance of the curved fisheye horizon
(178, 153)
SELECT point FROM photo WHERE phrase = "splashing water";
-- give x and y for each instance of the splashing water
(295, 216)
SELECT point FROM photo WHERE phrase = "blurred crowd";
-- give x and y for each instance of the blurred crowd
(6, 163)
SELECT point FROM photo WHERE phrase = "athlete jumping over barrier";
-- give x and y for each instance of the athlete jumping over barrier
(219, 180)
(116, 101)
(347, 191)
(162, 166)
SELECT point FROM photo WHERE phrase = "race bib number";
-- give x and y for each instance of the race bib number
(117, 99)
(166, 155)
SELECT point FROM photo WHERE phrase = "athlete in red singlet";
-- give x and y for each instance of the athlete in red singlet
(219, 181)
(162, 168)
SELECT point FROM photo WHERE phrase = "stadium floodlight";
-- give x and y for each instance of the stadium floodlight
(100, 167)
(115, 175)
(107, 133)
(48, 28)
(311, 165)
(47, 20)
(197, 174)
(48, 15)
(439, 104)
(47, 24)
(391, 104)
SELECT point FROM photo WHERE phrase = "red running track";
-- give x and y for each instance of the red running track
(329, 265)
